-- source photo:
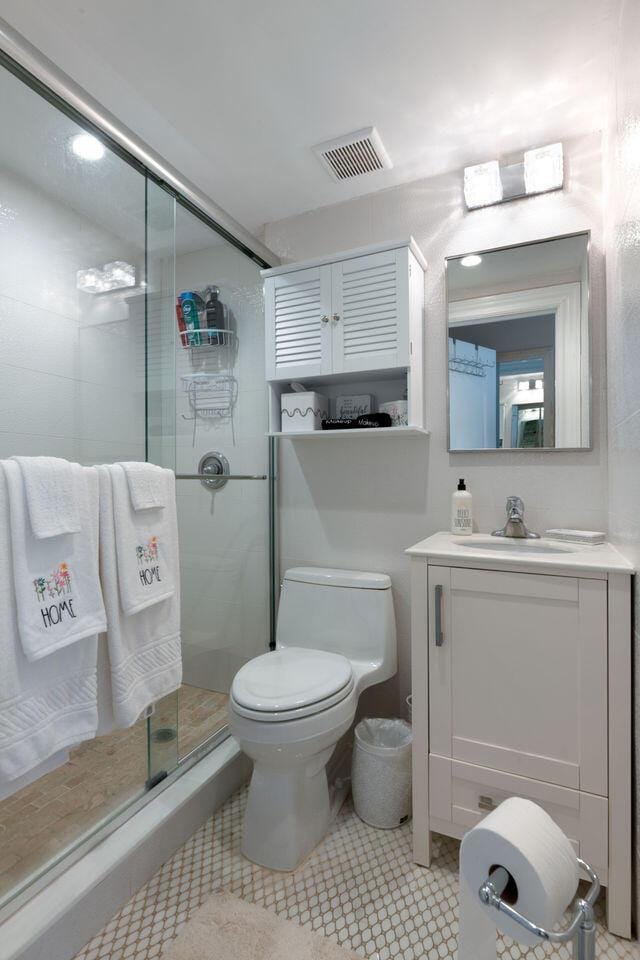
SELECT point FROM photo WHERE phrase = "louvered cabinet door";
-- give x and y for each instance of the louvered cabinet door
(298, 329)
(369, 312)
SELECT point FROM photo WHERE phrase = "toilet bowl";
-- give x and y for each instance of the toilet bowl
(335, 636)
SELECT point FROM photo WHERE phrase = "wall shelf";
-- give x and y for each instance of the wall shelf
(351, 324)
(396, 432)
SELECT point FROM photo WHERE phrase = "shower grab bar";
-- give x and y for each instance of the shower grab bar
(226, 476)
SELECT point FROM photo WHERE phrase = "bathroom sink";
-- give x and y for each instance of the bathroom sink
(497, 545)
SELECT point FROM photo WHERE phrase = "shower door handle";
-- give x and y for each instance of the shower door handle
(438, 603)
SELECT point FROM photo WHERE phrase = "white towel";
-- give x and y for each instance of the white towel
(51, 495)
(46, 706)
(146, 545)
(145, 652)
(56, 583)
(147, 487)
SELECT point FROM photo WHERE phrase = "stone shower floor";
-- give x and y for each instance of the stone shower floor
(359, 888)
(101, 777)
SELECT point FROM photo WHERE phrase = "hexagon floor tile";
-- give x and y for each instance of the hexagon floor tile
(359, 888)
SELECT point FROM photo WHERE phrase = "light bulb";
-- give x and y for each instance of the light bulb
(91, 280)
(482, 185)
(544, 168)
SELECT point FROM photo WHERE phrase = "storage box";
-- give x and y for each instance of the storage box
(354, 406)
(303, 411)
(398, 411)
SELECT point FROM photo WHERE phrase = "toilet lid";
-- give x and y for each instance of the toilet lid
(290, 678)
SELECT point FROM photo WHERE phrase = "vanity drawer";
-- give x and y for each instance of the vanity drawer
(463, 793)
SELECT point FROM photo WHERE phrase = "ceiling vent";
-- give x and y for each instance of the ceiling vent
(353, 154)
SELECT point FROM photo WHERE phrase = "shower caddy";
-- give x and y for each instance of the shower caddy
(211, 395)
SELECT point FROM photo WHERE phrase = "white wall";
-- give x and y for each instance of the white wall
(69, 382)
(623, 319)
(224, 536)
(361, 504)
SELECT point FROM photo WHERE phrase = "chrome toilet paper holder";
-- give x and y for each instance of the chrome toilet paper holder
(582, 929)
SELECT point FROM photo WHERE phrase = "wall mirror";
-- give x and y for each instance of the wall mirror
(518, 347)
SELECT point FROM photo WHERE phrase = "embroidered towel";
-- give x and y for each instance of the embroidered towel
(146, 545)
(55, 580)
(144, 649)
(46, 706)
(147, 487)
(49, 485)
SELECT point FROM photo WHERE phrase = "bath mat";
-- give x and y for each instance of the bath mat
(226, 927)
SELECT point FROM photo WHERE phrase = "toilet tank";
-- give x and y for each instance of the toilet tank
(341, 611)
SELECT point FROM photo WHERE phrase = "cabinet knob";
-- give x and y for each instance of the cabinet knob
(336, 317)
(324, 318)
(486, 803)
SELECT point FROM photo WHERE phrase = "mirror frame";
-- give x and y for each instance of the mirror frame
(513, 246)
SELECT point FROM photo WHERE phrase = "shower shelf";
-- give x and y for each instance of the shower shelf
(210, 395)
(209, 338)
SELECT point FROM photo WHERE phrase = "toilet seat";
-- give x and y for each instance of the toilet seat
(291, 682)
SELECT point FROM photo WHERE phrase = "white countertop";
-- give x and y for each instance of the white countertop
(545, 553)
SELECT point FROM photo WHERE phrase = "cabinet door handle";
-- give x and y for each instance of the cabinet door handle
(336, 318)
(439, 631)
(486, 803)
(324, 318)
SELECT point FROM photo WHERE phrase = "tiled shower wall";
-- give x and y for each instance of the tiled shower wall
(72, 367)
(224, 558)
(622, 212)
(362, 503)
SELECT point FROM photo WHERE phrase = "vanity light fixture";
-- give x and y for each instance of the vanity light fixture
(471, 260)
(87, 147)
(539, 171)
(117, 275)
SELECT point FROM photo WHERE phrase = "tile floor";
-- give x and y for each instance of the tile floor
(359, 888)
(101, 777)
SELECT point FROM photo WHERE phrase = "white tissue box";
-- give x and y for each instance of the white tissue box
(303, 411)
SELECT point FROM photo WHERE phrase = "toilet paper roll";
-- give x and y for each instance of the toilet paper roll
(521, 837)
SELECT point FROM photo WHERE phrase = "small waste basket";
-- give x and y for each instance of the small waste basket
(381, 772)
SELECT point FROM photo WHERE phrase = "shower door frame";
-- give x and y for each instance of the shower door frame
(26, 63)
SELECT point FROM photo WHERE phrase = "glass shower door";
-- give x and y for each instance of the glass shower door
(207, 412)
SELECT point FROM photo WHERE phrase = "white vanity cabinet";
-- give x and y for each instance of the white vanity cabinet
(352, 321)
(521, 686)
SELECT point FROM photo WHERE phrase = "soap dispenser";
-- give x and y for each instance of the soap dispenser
(462, 511)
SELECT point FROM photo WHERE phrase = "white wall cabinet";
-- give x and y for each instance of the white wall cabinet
(521, 687)
(349, 318)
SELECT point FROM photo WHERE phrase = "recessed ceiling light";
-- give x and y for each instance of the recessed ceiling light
(87, 147)
(472, 260)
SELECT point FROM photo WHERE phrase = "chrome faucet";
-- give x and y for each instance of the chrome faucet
(515, 525)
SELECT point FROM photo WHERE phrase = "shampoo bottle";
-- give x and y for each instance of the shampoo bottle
(190, 317)
(462, 511)
(182, 327)
(214, 314)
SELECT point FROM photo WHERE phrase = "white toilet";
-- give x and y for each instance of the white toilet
(336, 635)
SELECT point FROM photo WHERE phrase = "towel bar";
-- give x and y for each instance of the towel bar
(227, 476)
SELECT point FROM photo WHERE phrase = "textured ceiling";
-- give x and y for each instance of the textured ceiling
(234, 93)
